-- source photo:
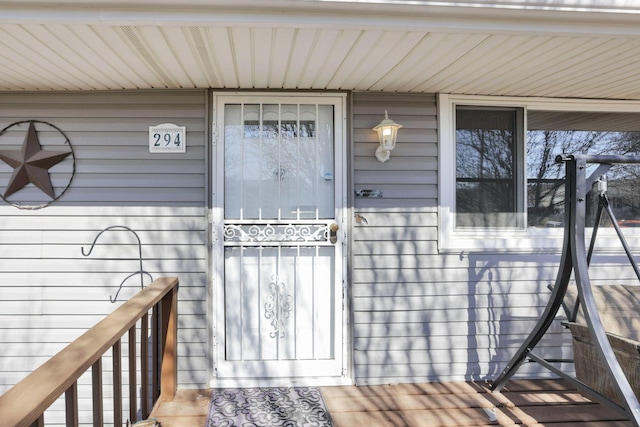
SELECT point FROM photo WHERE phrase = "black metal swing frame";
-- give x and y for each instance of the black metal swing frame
(575, 259)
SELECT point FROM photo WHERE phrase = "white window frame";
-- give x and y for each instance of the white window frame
(495, 240)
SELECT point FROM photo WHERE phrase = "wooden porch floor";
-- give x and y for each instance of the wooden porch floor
(521, 403)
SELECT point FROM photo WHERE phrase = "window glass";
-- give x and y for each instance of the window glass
(500, 187)
(487, 167)
(551, 133)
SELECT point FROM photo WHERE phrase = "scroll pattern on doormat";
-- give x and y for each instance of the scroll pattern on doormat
(268, 406)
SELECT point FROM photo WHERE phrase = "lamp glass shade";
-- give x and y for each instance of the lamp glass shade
(387, 136)
(387, 131)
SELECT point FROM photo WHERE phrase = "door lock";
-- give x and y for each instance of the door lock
(333, 232)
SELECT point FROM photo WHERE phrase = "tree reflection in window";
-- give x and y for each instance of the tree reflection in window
(288, 129)
(552, 133)
(490, 181)
(486, 167)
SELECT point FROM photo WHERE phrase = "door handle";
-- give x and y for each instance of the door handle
(333, 233)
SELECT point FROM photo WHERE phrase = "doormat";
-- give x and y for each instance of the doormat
(268, 406)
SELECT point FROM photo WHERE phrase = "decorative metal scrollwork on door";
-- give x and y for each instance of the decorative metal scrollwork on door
(278, 307)
(248, 233)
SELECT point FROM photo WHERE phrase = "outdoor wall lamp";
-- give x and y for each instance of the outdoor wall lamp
(387, 131)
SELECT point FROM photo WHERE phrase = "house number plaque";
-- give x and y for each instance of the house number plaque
(167, 138)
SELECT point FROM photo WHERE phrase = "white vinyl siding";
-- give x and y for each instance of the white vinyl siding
(49, 292)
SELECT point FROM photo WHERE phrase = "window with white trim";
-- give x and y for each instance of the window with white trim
(500, 186)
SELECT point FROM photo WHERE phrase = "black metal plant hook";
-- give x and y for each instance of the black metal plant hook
(140, 271)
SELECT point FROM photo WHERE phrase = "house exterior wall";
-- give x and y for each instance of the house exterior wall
(49, 292)
(421, 315)
(417, 314)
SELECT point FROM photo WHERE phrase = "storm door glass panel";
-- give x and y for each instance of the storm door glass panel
(272, 171)
(290, 166)
(486, 168)
(234, 159)
(325, 154)
(279, 161)
(242, 158)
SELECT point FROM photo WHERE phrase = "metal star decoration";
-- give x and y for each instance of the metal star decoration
(31, 164)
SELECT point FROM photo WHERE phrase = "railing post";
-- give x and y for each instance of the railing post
(71, 405)
(133, 396)
(96, 393)
(169, 367)
(117, 383)
(155, 353)
(144, 365)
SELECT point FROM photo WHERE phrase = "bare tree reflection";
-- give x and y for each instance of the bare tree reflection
(487, 164)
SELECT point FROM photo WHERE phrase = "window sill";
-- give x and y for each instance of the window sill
(533, 240)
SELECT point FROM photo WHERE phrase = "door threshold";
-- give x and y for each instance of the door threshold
(279, 382)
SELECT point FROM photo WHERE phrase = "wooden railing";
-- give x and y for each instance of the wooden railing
(26, 402)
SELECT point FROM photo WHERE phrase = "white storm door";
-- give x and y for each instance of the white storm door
(280, 164)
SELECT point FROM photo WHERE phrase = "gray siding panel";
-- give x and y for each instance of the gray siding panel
(49, 292)
(421, 315)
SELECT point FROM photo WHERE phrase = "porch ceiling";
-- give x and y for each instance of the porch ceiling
(515, 48)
